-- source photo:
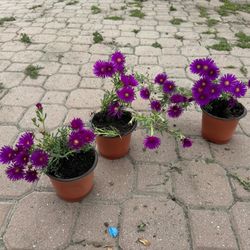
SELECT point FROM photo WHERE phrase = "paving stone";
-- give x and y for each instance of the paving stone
(57, 47)
(241, 220)
(169, 42)
(7, 135)
(17, 67)
(127, 41)
(93, 218)
(194, 51)
(226, 60)
(55, 97)
(91, 83)
(11, 79)
(31, 30)
(166, 153)
(4, 64)
(62, 82)
(97, 48)
(48, 68)
(153, 178)
(243, 174)
(199, 149)
(50, 230)
(71, 69)
(42, 38)
(5, 37)
(4, 211)
(75, 58)
(84, 114)
(55, 116)
(27, 56)
(13, 46)
(150, 70)
(10, 114)
(201, 184)
(113, 180)
(84, 98)
(173, 61)
(234, 153)
(147, 51)
(165, 224)
(244, 123)
(211, 230)
(22, 96)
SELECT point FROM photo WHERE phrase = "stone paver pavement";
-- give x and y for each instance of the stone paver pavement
(187, 199)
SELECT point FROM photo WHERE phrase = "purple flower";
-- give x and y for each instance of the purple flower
(201, 98)
(104, 69)
(155, 105)
(152, 142)
(239, 89)
(39, 158)
(213, 73)
(186, 143)
(87, 136)
(22, 158)
(178, 98)
(200, 91)
(227, 81)
(39, 106)
(26, 140)
(145, 93)
(77, 124)
(174, 111)
(119, 60)
(7, 154)
(161, 78)
(232, 102)
(15, 172)
(168, 87)
(115, 110)
(248, 84)
(126, 94)
(31, 175)
(196, 66)
(76, 141)
(129, 80)
(214, 91)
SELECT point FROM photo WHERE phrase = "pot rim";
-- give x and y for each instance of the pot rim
(78, 177)
(226, 119)
(111, 137)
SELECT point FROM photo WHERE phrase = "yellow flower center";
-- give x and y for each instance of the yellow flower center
(227, 83)
(205, 67)
(198, 66)
(76, 142)
(17, 170)
(127, 94)
(237, 89)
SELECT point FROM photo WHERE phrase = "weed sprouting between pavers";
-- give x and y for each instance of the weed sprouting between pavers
(97, 37)
(176, 21)
(211, 22)
(32, 71)
(35, 7)
(244, 71)
(243, 40)
(6, 19)
(25, 38)
(114, 18)
(137, 13)
(72, 2)
(157, 45)
(229, 7)
(203, 11)
(223, 45)
(172, 8)
(244, 183)
(95, 9)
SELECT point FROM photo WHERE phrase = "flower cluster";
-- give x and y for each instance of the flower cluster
(211, 85)
(123, 92)
(166, 100)
(30, 156)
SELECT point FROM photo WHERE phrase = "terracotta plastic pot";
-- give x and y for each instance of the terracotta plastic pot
(114, 147)
(75, 189)
(219, 130)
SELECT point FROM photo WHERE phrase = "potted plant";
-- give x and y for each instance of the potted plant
(65, 156)
(217, 95)
(113, 124)
(117, 119)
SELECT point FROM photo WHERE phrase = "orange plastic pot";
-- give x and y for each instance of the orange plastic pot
(219, 130)
(75, 189)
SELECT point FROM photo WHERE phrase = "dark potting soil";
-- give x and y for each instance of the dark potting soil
(75, 165)
(103, 121)
(221, 108)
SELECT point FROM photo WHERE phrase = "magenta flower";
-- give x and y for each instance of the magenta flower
(115, 110)
(87, 136)
(126, 94)
(239, 89)
(76, 141)
(15, 172)
(129, 80)
(161, 78)
(31, 175)
(186, 143)
(39, 158)
(145, 93)
(26, 140)
(39, 106)
(248, 84)
(77, 124)
(168, 87)
(104, 69)
(200, 91)
(227, 81)
(119, 60)
(155, 105)
(174, 111)
(7, 154)
(152, 142)
(214, 91)
(178, 98)
(22, 158)
(202, 98)
(196, 66)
